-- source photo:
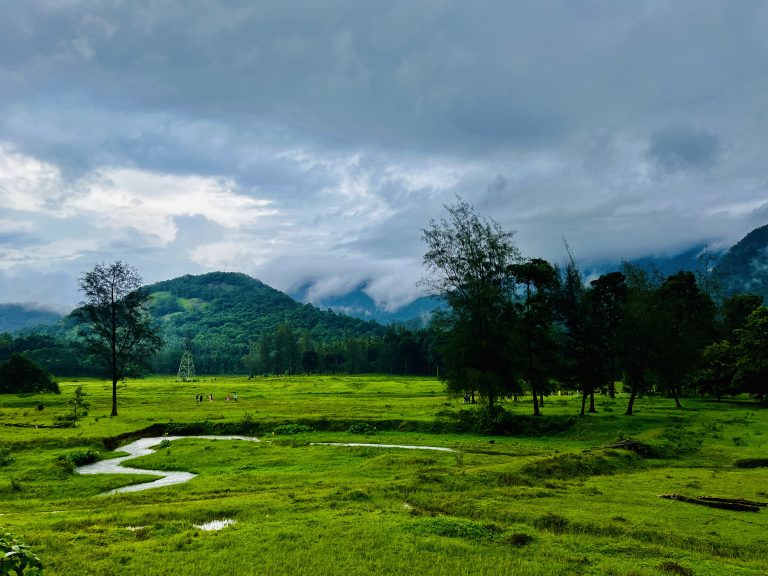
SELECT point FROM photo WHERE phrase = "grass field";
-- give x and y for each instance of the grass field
(524, 504)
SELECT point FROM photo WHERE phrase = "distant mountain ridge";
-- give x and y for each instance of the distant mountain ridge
(359, 304)
(17, 317)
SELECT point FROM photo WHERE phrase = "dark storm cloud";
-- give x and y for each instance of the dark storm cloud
(299, 140)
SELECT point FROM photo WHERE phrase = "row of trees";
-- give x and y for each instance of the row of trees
(524, 325)
(287, 351)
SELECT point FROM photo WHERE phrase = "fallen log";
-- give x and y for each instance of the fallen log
(734, 500)
(724, 504)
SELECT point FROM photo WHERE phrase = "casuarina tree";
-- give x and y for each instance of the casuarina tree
(468, 263)
(116, 321)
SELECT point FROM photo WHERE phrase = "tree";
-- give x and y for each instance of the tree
(468, 263)
(536, 316)
(20, 374)
(638, 330)
(117, 324)
(79, 402)
(752, 355)
(686, 318)
(608, 295)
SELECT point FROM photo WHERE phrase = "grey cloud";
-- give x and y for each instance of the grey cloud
(590, 120)
(679, 148)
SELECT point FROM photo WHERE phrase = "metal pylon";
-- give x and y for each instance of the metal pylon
(186, 368)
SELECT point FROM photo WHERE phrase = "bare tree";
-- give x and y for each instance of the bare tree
(118, 326)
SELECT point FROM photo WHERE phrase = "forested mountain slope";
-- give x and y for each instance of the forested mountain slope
(216, 315)
(744, 268)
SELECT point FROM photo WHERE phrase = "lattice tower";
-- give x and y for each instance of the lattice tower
(186, 368)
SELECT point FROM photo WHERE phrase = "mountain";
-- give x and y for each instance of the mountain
(16, 317)
(359, 304)
(744, 268)
(217, 315)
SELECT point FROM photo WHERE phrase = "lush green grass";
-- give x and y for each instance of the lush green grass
(527, 504)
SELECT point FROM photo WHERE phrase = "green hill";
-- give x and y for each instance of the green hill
(744, 268)
(216, 315)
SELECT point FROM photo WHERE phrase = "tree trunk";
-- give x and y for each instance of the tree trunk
(675, 396)
(541, 396)
(583, 402)
(592, 409)
(114, 396)
(536, 411)
(631, 402)
(611, 383)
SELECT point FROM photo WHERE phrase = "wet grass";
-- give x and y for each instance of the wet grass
(526, 504)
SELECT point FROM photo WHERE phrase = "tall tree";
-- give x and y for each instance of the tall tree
(117, 323)
(468, 263)
(540, 281)
(608, 296)
(638, 330)
(686, 318)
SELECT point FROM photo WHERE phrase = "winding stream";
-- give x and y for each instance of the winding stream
(143, 447)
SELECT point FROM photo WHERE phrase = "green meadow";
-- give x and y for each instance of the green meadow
(550, 499)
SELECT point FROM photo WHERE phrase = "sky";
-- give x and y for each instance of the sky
(310, 142)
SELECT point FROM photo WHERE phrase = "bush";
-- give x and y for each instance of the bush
(362, 428)
(20, 374)
(71, 460)
(16, 558)
(288, 429)
(459, 528)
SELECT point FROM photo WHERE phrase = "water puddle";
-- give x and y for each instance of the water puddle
(215, 524)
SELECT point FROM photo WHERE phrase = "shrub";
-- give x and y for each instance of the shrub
(20, 374)
(362, 428)
(459, 528)
(17, 558)
(71, 460)
(288, 429)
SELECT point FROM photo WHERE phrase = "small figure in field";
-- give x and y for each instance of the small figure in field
(235, 397)
(228, 398)
(210, 397)
(466, 397)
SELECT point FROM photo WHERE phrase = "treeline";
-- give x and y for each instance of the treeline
(525, 326)
(397, 351)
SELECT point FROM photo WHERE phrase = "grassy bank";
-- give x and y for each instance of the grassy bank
(524, 504)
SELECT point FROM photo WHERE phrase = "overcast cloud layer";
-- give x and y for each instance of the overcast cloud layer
(310, 141)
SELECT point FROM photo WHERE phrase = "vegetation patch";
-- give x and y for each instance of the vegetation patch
(566, 466)
(671, 567)
(290, 429)
(752, 463)
(17, 558)
(451, 527)
(552, 523)
(71, 460)
(362, 428)
(505, 423)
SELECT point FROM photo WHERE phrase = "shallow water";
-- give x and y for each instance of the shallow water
(405, 447)
(143, 447)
